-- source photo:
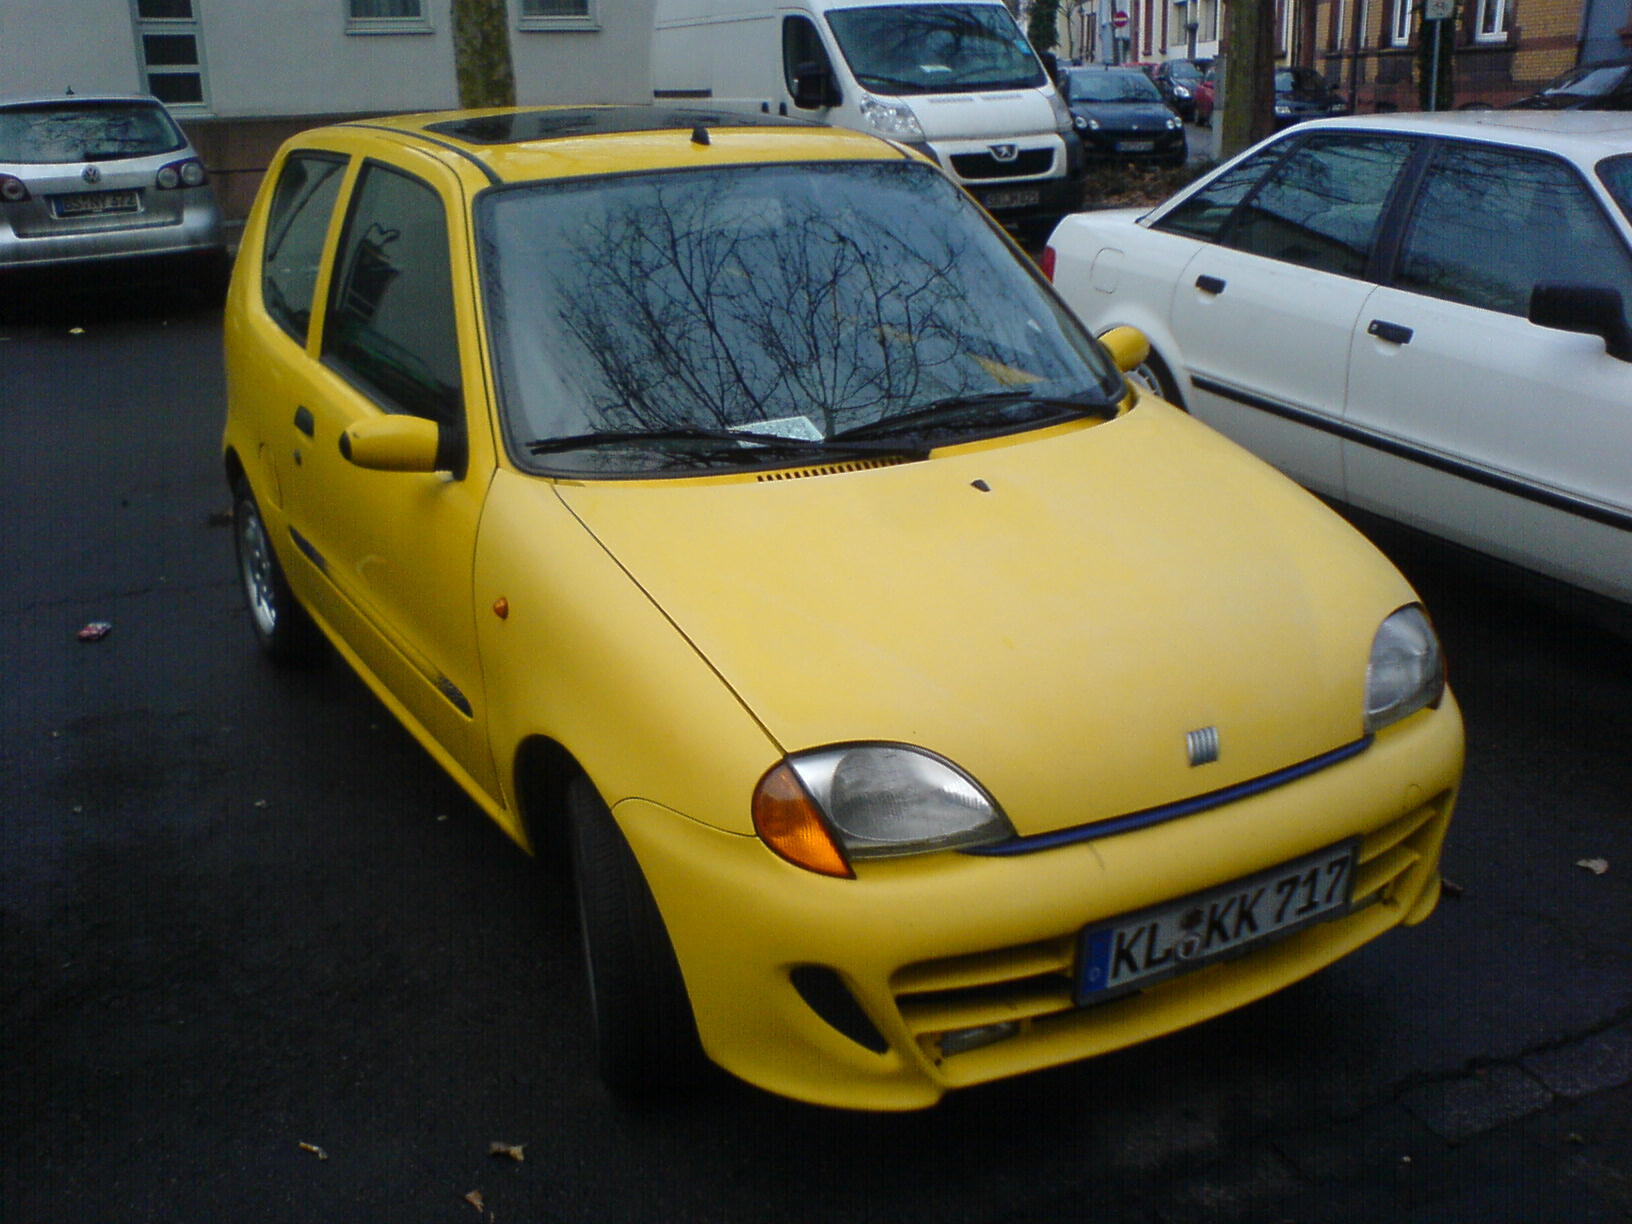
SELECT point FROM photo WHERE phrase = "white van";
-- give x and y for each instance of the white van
(953, 78)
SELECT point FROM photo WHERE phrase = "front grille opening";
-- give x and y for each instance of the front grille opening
(825, 993)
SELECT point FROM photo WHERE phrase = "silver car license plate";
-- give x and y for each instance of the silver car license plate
(95, 203)
(1173, 938)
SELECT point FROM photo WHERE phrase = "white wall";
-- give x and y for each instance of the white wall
(268, 58)
(44, 52)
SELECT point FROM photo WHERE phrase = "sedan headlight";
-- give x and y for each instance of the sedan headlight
(1406, 671)
(825, 808)
(893, 119)
(1080, 122)
(1174, 123)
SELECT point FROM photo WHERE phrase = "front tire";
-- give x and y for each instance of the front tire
(283, 629)
(645, 1036)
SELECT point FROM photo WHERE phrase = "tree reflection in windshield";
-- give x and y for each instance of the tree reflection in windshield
(794, 300)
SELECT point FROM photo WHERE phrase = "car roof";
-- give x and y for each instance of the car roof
(8, 101)
(1586, 135)
(520, 144)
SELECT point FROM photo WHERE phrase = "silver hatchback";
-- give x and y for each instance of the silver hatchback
(100, 179)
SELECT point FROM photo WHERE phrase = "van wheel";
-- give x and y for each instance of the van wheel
(282, 627)
(645, 1037)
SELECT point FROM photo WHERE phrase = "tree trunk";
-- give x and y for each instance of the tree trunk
(481, 53)
(1249, 74)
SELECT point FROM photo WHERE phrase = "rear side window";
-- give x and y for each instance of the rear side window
(391, 326)
(1320, 207)
(1533, 209)
(296, 225)
(54, 133)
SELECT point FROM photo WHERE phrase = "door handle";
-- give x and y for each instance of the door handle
(304, 421)
(1210, 284)
(1394, 333)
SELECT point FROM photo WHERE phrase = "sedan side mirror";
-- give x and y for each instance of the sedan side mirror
(1594, 310)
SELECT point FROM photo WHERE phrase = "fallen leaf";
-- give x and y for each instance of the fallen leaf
(314, 1150)
(474, 1198)
(512, 1150)
(1595, 865)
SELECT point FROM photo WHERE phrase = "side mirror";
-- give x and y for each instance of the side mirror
(395, 443)
(814, 87)
(1594, 310)
(1128, 347)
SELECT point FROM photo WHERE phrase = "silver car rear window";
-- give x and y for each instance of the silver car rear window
(47, 133)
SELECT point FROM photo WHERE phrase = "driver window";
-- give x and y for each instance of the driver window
(802, 52)
(390, 327)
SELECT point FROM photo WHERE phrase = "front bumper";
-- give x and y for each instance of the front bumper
(923, 947)
(1165, 145)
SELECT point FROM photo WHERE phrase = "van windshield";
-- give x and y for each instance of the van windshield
(935, 48)
(664, 322)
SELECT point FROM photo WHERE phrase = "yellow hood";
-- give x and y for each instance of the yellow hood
(1054, 612)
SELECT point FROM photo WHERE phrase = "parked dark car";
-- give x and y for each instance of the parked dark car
(1179, 80)
(1119, 113)
(1302, 93)
(1606, 85)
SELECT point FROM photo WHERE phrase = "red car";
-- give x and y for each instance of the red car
(1203, 98)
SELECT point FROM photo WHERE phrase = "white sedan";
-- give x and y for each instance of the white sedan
(1422, 316)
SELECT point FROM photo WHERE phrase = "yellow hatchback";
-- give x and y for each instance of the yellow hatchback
(731, 509)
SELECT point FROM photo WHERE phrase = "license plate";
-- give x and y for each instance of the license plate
(1011, 199)
(94, 203)
(1136, 146)
(1170, 939)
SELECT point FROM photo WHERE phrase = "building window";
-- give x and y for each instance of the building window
(172, 54)
(1400, 30)
(387, 17)
(1491, 21)
(558, 15)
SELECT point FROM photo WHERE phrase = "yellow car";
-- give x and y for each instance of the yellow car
(729, 507)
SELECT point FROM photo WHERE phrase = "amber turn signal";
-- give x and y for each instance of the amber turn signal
(787, 821)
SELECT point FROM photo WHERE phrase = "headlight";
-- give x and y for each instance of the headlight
(824, 808)
(1063, 119)
(1081, 123)
(1092, 123)
(890, 118)
(1406, 671)
(1180, 91)
(1174, 123)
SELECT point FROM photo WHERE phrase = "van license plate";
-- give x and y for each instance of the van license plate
(1011, 199)
(1170, 939)
(95, 203)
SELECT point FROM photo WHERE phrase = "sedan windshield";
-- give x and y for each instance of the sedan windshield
(755, 315)
(935, 48)
(54, 133)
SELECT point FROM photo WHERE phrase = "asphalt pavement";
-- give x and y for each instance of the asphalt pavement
(261, 961)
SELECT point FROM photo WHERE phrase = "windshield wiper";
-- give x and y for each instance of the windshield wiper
(954, 409)
(738, 439)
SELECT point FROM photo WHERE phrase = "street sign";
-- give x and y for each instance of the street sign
(1119, 19)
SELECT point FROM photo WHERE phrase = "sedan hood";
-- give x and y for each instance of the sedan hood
(1126, 116)
(1054, 612)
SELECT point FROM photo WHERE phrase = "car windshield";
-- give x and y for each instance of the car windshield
(1098, 86)
(1183, 70)
(1299, 81)
(1588, 82)
(753, 316)
(48, 133)
(1616, 174)
(935, 48)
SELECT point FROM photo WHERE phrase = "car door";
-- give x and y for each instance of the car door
(1469, 420)
(1267, 309)
(395, 549)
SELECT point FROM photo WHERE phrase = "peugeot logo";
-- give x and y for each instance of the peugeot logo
(1005, 152)
(91, 174)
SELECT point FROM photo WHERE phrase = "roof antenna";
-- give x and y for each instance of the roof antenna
(699, 135)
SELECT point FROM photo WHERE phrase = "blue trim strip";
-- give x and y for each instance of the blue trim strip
(1172, 811)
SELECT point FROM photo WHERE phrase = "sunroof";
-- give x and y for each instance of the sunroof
(518, 126)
